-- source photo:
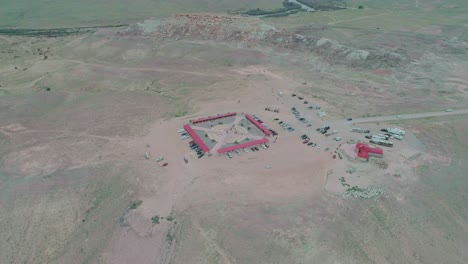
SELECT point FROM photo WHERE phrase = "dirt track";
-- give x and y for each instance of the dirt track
(408, 116)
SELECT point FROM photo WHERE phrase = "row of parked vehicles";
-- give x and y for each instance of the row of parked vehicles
(273, 132)
(197, 149)
(253, 149)
(257, 118)
(286, 126)
(323, 130)
(308, 142)
(183, 134)
(305, 102)
(298, 115)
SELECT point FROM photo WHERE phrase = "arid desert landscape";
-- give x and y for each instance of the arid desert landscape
(234, 132)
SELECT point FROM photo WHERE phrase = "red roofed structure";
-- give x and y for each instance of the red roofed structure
(205, 119)
(244, 145)
(364, 151)
(196, 138)
(258, 124)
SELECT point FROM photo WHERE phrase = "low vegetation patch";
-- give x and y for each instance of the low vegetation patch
(135, 204)
(324, 5)
(287, 7)
(364, 193)
(155, 219)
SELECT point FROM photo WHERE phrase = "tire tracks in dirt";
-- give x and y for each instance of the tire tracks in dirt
(227, 259)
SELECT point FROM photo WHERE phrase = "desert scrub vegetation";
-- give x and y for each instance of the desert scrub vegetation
(135, 204)
(364, 193)
(323, 5)
(287, 6)
(155, 219)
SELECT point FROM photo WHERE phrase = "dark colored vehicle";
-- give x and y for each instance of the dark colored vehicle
(280, 122)
(383, 130)
(252, 149)
(276, 119)
(256, 148)
(300, 98)
(309, 125)
(310, 143)
(293, 95)
(305, 141)
(305, 102)
(349, 119)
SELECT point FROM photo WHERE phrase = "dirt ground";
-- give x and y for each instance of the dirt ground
(76, 186)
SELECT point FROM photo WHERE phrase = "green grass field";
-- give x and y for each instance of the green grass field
(70, 13)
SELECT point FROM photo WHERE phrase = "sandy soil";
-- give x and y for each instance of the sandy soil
(73, 166)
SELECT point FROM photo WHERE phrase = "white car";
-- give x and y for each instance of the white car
(448, 110)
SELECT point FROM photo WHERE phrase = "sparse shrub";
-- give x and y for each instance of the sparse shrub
(180, 113)
(381, 163)
(170, 235)
(360, 7)
(155, 219)
(135, 204)
(170, 218)
(364, 193)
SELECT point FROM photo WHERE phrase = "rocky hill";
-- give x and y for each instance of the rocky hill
(231, 28)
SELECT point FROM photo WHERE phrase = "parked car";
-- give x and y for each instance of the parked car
(349, 119)
(305, 141)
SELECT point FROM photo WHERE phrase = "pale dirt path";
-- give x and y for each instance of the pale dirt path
(358, 18)
(403, 117)
(147, 69)
(213, 245)
(67, 132)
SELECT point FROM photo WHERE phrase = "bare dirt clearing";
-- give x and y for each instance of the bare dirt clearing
(81, 130)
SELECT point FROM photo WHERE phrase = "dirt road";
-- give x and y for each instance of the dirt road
(407, 116)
